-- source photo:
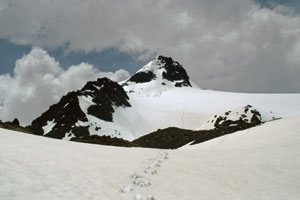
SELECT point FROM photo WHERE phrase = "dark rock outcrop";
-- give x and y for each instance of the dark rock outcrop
(225, 121)
(142, 77)
(104, 140)
(174, 72)
(16, 122)
(110, 95)
(14, 126)
(173, 138)
(67, 113)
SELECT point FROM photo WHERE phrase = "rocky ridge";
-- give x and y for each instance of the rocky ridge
(69, 117)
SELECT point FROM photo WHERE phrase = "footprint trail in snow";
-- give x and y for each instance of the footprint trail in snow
(138, 186)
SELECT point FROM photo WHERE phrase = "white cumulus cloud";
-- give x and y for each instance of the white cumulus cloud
(39, 81)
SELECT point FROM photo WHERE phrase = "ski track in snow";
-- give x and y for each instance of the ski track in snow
(138, 185)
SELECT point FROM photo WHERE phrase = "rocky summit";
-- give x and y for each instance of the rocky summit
(160, 74)
(164, 69)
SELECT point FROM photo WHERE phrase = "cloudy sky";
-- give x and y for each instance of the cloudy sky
(48, 47)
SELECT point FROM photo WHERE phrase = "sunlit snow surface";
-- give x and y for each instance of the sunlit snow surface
(190, 108)
(258, 163)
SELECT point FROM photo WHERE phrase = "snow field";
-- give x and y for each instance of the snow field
(190, 108)
(258, 163)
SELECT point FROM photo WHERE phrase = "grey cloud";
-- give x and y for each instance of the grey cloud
(226, 45)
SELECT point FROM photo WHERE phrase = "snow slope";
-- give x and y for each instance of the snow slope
(191, 107)
(258, 163)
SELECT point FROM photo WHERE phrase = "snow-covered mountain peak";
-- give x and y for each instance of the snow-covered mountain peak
(158, 75)
(84, 112)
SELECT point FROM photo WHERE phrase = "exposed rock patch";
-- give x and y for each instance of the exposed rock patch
(240, 118)
(104, 140)
(106, 95)
(173, 138)
(14, 125)
(174, 72)
(142, 77)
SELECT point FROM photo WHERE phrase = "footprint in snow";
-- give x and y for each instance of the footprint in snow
(164, 155)
(141, 183)
(126, 189)
(140, 197)
(150, 170)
